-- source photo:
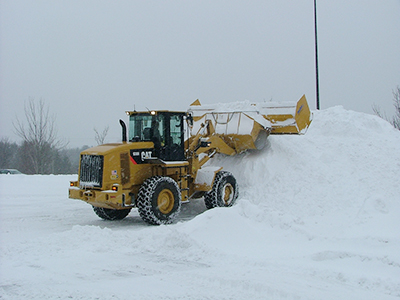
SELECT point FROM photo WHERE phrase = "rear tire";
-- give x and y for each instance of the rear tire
(159, 200)
(224, 191)
(111, 214)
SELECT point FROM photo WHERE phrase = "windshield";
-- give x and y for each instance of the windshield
(143, 127)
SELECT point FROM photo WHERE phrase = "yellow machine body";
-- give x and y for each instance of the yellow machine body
(121, 175)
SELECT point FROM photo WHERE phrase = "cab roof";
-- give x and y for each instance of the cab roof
(154, 112)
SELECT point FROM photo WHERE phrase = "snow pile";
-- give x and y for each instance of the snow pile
(346, 166)
(318, 217)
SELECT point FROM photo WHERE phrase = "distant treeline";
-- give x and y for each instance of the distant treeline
(31, 158)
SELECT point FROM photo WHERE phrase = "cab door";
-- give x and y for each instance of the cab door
(174, 138)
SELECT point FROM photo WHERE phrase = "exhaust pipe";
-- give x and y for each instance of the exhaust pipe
(123, 130)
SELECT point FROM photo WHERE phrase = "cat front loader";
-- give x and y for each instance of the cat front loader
(161, 162)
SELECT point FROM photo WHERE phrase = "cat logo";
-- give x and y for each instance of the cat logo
(139, 156)
(146, 155)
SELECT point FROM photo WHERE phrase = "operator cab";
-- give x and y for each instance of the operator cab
(164, 128)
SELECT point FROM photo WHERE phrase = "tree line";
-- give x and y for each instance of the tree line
(40, 151)
(39, 159)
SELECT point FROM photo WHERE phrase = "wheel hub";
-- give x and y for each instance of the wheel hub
(165, 201)
(228, 193)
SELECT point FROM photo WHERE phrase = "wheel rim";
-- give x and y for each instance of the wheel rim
(165, 201)
(228, 193)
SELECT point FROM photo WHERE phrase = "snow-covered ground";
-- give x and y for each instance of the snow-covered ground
(318, 217)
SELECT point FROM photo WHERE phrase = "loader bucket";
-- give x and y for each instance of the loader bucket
(239, 130)
(288, 117)
(245, 125)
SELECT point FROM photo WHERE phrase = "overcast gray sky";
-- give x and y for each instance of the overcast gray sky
(92, 60)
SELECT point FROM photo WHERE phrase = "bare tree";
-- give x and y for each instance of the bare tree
(100, 137)
(396, 103)
(40, 143)
(395, 120)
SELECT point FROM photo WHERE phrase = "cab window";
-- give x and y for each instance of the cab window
(146, 128)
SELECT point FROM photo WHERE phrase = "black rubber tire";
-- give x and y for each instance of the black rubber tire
(159, 200)
(111, 214)
(224, 191)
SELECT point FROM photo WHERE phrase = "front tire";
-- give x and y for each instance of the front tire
(224, 191)
(159, 200)
(111, 214)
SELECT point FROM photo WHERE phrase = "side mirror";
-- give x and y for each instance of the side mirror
(189, 119)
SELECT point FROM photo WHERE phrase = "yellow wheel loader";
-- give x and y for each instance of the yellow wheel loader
(162, 162)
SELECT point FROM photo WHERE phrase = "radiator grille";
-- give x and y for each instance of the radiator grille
(91, 172)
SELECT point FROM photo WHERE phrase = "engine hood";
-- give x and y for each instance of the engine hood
(119, 147)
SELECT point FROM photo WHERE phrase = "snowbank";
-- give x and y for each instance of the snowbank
(317, 218)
